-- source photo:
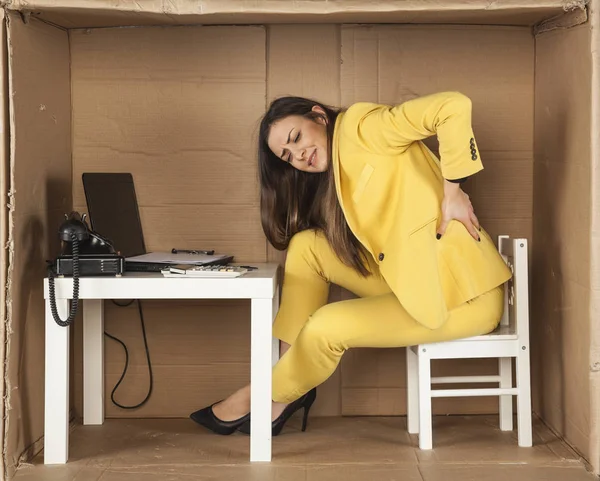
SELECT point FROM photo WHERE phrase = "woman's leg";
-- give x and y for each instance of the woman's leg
(310, 267)
(378, 321)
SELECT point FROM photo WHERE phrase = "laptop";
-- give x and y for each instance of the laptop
(113, 212)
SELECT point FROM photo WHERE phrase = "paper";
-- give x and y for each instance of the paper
(170, 258)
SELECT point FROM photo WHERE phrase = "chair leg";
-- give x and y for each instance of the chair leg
(524, 399)
(425, 421)
(412, 390)
(506, 402)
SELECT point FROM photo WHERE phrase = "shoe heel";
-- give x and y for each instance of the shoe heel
(308, 404)
(305, 417)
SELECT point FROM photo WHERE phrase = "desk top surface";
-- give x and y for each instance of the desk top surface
(260, 283)
(263, 271)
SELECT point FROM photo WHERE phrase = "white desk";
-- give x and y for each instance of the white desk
(260, 286)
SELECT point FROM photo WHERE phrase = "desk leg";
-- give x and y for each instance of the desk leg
(276, 346)
(56, 406)
(260, 378)
(93, 361)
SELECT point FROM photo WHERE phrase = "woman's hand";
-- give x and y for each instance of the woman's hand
(456, 205)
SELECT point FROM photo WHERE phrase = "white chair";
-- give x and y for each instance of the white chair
(510, 340)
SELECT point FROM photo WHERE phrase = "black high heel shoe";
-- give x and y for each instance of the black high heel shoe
(305, 402)
(206, 417)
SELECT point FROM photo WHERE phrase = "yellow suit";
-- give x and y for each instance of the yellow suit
(390, 186)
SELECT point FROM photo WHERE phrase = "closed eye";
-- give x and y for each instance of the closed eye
(288, 159)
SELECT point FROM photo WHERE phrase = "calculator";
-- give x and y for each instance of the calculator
(203, 271)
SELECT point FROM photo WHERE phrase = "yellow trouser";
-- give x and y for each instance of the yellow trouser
(320, 333)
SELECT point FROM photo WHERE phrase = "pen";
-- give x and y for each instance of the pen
(250, 268)
(186, 251)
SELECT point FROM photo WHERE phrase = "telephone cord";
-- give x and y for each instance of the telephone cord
(112, 394)
(73, 314)
(75, 300)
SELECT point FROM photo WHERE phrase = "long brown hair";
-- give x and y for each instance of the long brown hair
(291, 200)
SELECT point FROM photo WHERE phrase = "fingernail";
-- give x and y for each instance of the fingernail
(438, 236)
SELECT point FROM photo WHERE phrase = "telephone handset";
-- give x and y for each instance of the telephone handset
(74, 228)
(83, 251)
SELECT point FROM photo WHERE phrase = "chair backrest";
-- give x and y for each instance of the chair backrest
(516, 294)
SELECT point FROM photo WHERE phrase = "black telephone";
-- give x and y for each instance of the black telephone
(83, 252)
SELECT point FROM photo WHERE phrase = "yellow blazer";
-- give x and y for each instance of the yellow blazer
(390, 186)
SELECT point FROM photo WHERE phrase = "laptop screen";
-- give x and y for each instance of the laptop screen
(113, 210)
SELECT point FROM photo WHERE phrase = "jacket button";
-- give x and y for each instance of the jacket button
(381, 256)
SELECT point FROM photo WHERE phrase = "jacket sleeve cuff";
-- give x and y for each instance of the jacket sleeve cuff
(459, 153)
(457, 181)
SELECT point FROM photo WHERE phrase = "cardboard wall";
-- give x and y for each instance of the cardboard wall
(164, 105)
(4, 213)
(562, 234)
(594, 364)
(178, 108)
(110, 13)
(41, 186)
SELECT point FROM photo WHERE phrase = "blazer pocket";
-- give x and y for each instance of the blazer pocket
(422, 225)
(363, 180)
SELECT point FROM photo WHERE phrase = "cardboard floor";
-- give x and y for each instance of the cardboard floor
(358, 448)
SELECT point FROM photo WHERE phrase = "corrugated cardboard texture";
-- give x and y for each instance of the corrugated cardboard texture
(393, 64)
(163, 103)
(178, 108)
(595, 247)
(116, 129)
(469, 448)
(199, 353)
(101, 13)
(561, 232)
(4, 217)
(41, 163)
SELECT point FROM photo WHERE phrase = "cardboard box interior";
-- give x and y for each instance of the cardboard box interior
(4, 211)
(178, 106)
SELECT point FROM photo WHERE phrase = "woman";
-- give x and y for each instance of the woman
(359, 201)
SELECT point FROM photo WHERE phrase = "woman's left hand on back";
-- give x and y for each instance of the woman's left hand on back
(457, 206)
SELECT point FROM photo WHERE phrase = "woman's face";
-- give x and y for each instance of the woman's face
(301, 142)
